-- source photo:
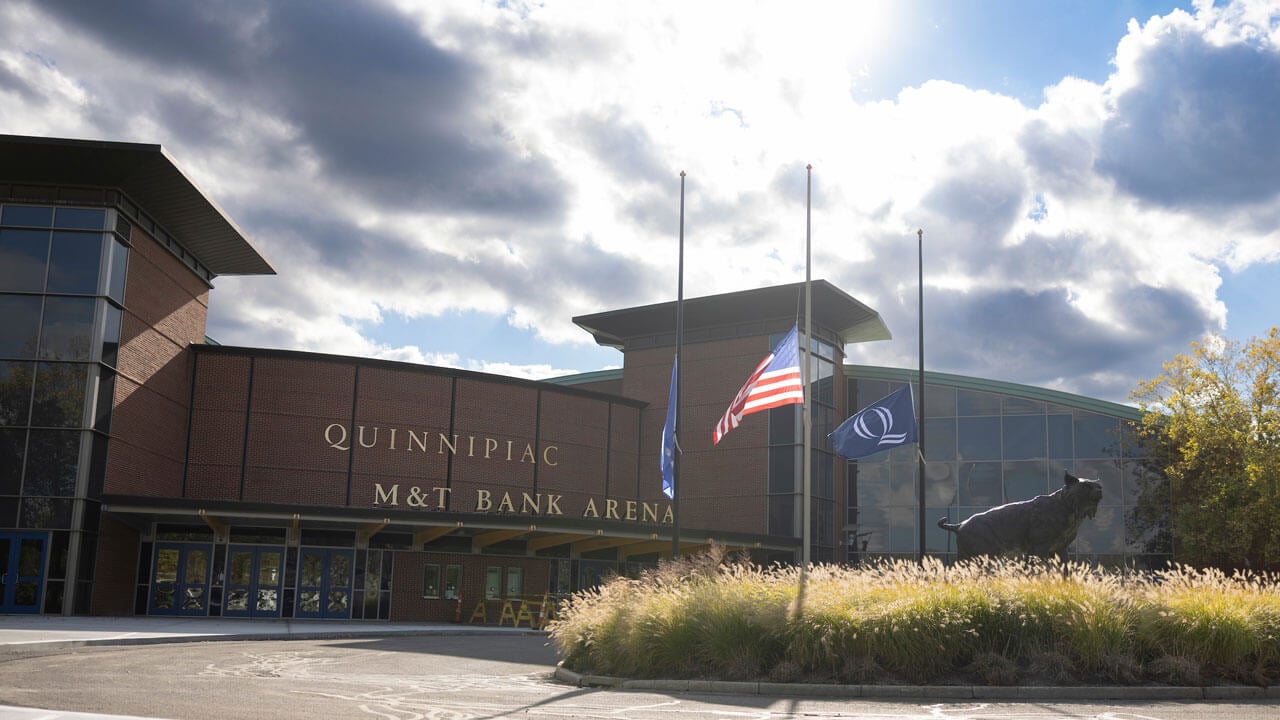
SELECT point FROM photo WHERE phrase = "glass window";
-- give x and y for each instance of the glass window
(73, 262)
(939, 401)
(103, 401)
(902, 529)
(978, 438)
(939, 438)
(24, 255)
(1024, 437)
(452, 581)
(21, 326)
(941, 484)
(492, 582)
(973, 402)
(66, 328)
(59, 395)
(119, 264)
(1061, 446)
(902, 487)
(822, 470)
(515, 582)
(111, 335)
(784, 469)
(431, 580)
(15, 392)
(1097, 436)
(980, 484)
(871, 484)
(865, 392)
(53, 459)
(27, 215)
(1025, 480)
(1014, 405)
(80, 219)
(782, 519)
(13, 444)
(43, 512)
(784, 425)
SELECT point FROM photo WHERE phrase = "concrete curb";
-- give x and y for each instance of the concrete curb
(255, 637)
(949, 692)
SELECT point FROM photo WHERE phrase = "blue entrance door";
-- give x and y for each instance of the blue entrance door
(180, 579)
(324, 583)
(22, 571)
(254, 575)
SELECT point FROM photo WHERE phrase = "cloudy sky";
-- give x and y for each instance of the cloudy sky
(450, 182)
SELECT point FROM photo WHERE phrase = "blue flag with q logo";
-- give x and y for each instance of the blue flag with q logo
(883, 425)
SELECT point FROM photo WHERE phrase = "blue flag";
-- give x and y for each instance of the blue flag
(668, 460)
(883, 425)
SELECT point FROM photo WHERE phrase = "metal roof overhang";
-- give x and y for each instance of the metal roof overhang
(150, 178)
(538, 532)
(832, 308)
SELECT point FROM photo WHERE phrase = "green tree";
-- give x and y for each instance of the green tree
(1211, 426)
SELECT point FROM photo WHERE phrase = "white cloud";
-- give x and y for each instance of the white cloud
(522, 161)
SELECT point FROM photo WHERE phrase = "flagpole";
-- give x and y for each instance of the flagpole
(675, 491)
(806, 511)
(920, 412)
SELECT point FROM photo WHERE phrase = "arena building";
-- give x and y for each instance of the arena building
(146, 470)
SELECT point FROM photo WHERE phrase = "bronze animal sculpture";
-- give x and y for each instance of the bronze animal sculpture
(1044, 526)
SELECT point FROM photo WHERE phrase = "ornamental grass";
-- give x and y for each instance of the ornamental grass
(983, 622)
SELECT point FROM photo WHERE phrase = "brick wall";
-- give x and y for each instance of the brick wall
(166, 305)
(116, 569)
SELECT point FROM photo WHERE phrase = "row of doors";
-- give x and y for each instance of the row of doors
(252, 583)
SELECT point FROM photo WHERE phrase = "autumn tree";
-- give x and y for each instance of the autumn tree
(1211, 426)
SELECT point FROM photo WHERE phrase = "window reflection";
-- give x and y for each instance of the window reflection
(73, 263)
(66, 328)
(59, 395)
(24, 255)
(21, 326)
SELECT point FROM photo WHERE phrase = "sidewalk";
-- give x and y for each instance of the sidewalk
(16, 630)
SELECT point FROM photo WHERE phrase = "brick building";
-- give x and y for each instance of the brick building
(144, 470)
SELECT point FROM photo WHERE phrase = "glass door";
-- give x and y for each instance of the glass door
(180, 579)
(253, 581)
(21, 571)
(324, 583)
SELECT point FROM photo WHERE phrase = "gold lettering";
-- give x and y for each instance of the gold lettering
(590, 510)
(553, 505)
(471, 446)
(393, 439)
(546, 459)
(336, 444)
(668, 518)
(441, 494)
(363, 444)
(490, 444)
(611, 509)
(650, 512)
(444, 443)
(631, 510)
(483, 503)
(506, 505)
(421, 442)
(380, 496)
(534, 500)
(509, 444)
(528, 454)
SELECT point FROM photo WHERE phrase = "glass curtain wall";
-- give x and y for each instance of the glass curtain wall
(786, 448)
(984, 449)
(61, 296)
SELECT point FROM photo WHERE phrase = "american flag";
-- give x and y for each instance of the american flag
(775, 383)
